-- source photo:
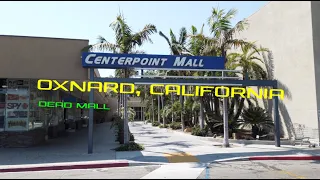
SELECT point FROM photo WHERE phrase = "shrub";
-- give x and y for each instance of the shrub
(156, 123)
(196, 131)
(131, 146)
(131, 137)
(258, 119)
(163, 126)
(149, 121)
(175, 125)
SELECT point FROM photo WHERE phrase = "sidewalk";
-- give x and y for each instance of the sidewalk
(72, 148)
(161, 147)
(162, 144)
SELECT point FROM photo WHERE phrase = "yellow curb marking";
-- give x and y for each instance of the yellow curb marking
(292, 174)
(180, 157)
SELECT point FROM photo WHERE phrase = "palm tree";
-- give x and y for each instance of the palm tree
(200, 45)
(177, 47)
(248, 60)
(222, 40)
(126, 42)
(222, 30)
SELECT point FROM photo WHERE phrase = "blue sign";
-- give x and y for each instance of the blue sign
(120, 61)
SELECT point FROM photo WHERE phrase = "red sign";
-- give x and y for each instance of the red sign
(23, 97)
(13, 97)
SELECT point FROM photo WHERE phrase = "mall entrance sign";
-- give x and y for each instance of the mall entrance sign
(93, 60)
(145, 61)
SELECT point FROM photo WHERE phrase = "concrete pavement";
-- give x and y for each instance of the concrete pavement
(162, 145)
(262, 170)
(222, 170)
(72, 148)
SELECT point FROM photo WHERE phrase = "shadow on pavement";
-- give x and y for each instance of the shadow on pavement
(205, 158)
(72, 148)
(160, 137)
(183, 144)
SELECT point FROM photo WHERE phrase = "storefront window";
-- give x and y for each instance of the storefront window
(3, 90)
(43, 117)
(36, 118)
(17, 105)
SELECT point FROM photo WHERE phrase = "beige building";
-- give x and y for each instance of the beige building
(23, 61)
(291, 30)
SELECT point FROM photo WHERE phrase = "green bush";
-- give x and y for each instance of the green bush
(196, 131)
(258, 119)
(163, 126)
(131, 146)
(156, 123)
(175, 125)
(149, 121)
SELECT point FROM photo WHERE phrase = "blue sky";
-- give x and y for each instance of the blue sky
(88, 19)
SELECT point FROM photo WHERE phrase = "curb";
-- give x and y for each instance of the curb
(266, 158)
(262, 158)
(65, 167)
(71, 166)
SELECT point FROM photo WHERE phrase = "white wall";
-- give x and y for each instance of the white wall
(286, 29)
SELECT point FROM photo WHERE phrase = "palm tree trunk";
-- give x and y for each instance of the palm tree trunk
(159, 108)
(225, 113)
(163, 113)
(152, 104)
(182, 107)
(118, 108)
(172, 102)
(126, 126)
(211, 102)
(201, 113)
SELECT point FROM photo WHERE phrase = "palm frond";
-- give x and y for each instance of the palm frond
(182, 36)
(105, 46)
(121, 28)
(144, 34)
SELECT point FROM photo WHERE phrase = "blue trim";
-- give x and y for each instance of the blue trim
(272, 83)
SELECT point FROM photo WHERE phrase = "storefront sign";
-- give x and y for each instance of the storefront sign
(17, 114)
(16, 124)
(13, 97)
(17, 105)
(116, 61)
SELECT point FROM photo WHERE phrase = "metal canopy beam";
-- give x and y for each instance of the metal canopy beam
(271, 83)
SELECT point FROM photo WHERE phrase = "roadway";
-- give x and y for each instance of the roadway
(185, 156)
(224, 170)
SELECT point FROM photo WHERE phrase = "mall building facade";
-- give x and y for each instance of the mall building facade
(291, 31)
(23, 61)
